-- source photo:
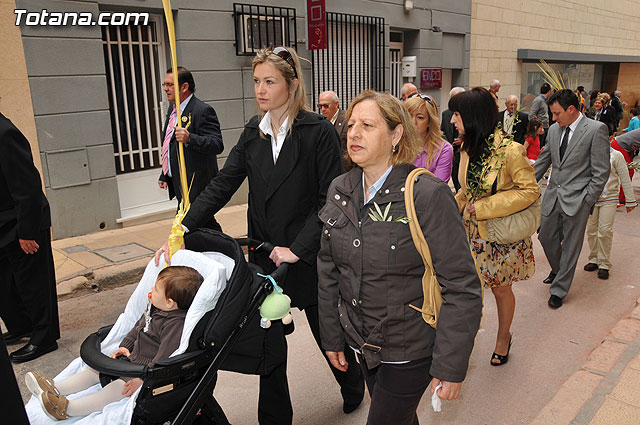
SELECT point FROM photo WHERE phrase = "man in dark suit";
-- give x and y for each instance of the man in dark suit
(28, 304)
(514, 122)
(12, 409)
(618, 106)
(451, 134)
(329, 106)
(201, 138)
(578, 150)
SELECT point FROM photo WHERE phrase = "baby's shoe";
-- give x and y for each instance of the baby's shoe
(54, 405)
(38, 384)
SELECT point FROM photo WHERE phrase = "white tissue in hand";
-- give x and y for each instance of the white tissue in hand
(436, 403)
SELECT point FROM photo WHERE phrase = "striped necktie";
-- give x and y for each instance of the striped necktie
(173, 119)
(564, 143)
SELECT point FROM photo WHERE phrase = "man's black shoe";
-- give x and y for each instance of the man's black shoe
(549, 279)
(603, 274)
(555, 302)
(31, 352)
(12, 338)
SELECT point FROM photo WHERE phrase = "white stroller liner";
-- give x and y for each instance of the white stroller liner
(216, 269)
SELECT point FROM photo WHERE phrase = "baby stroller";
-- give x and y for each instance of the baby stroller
(221, 332)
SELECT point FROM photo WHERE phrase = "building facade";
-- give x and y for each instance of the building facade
(91, 102)
(592, 43)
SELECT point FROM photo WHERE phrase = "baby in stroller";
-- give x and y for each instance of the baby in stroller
(155, 336)
(221, 332)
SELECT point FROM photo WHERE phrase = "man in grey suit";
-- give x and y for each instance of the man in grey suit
(578, 149)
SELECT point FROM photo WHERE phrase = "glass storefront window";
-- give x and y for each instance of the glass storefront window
(573, 75)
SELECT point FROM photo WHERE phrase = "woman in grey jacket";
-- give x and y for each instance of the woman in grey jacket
(369, 270)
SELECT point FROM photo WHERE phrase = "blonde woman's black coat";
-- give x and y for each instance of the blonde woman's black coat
(284, 198)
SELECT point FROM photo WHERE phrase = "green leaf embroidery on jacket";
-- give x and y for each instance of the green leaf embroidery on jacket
(378, 215)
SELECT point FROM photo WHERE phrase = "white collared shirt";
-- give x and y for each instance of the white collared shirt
(183, 105)
(572, 129)
(371, 191)
(508, 122)
(278, 140)
(335, 116)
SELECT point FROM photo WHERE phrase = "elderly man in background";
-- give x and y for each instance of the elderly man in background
(451, 134)
(514, 122)
(494, 88)
(407, 91)
(329, 106)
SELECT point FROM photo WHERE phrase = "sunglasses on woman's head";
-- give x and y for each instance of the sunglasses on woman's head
(427, 98)
(286, 56)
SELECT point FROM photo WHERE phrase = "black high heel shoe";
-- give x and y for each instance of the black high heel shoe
(502, 359)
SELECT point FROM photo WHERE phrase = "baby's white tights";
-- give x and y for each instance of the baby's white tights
(94, 402)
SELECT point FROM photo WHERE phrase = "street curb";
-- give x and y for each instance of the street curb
(106, 277)
(585, 391)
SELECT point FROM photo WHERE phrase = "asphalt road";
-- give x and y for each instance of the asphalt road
(548, 347)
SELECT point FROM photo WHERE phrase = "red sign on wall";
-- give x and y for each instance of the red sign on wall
(431, 78)
(316, 25)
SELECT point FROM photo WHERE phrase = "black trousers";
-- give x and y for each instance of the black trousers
(11, 400)
(28, 286)
(274, 404)
(396, 390)
(454, 169)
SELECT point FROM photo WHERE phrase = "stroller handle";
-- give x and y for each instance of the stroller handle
(255, 245)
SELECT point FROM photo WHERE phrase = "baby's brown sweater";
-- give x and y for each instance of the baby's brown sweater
(161, 339)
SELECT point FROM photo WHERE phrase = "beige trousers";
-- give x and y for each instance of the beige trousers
(600, 235)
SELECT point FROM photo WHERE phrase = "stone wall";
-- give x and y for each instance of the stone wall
(500, 27)
(15, 93)
(67, 83)
(629, 83)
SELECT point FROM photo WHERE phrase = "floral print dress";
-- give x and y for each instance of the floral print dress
(499, 264)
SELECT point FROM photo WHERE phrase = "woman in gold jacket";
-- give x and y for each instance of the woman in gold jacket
(496, 181)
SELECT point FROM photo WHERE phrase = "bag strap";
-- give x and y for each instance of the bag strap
(414, 225)
(419, 240)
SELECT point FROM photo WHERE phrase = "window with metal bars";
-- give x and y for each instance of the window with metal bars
(354, 59)
(258, 27)
(135, 62)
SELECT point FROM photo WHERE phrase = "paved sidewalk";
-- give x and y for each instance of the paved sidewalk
(118, 257)
(606, 390)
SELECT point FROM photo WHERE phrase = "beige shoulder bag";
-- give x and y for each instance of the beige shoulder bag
(430, 287)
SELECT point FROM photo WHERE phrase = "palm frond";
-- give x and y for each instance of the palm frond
(551, 76)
